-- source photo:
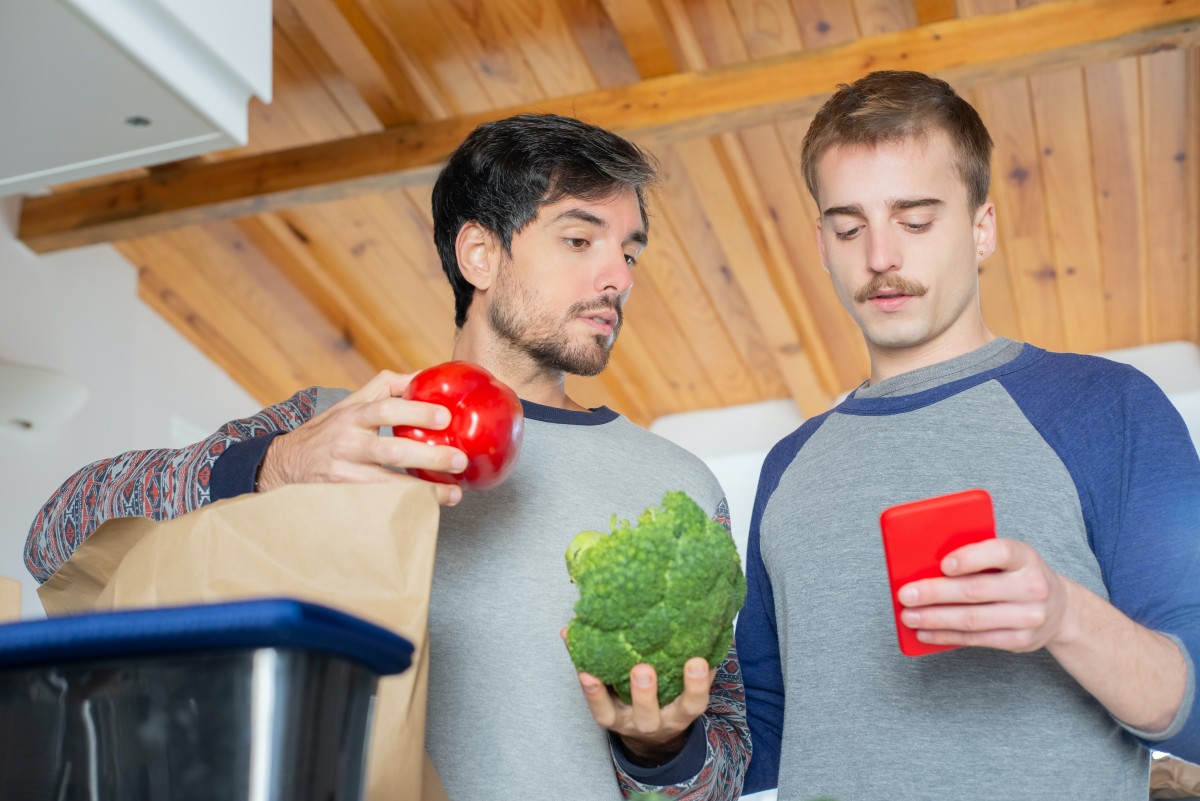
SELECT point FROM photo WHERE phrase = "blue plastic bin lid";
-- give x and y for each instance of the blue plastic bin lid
(270, 623)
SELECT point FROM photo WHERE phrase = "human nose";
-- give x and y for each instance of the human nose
(882, 253)
(615, 275)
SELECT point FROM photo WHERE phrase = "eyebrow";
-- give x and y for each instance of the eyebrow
(903, 204)
(585, 216)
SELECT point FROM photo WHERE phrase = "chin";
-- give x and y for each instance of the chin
(893, 338)
(590, 364)
(584, 360)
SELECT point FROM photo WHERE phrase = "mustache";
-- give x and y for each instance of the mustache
(585, 306)
(882, 281)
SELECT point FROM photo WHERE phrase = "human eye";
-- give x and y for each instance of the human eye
(631, 259)
(575, 242)
(917, 227)
(848, 234)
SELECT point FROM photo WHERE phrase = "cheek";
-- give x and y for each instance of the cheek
(840, 272)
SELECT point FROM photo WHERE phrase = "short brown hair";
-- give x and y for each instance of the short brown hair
(892, 106)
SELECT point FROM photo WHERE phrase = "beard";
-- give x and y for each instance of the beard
(515, 317)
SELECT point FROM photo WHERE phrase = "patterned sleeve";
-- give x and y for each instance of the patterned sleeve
(159, 484)
(728, 735)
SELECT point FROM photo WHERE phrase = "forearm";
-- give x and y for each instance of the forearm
(725, 745)
(159, 484)
(1139, 675)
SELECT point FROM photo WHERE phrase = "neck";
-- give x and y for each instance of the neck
(518, 370)
(890, 362)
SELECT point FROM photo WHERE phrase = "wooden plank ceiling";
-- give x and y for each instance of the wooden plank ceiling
(306, 257)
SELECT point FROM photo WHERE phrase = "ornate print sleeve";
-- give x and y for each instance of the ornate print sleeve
(160, 484)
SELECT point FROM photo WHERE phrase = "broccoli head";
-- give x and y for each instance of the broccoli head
(660, 592)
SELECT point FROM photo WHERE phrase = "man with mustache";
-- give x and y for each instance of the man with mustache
(1081, 620)
(539, 221)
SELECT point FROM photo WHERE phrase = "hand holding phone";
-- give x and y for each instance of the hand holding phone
(917, 536)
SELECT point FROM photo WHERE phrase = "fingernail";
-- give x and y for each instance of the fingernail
(910, 619)
(455, 496)
(441, 418)
(696, 669)
(458, 463)
(949, 564)
(641, 679)
(908, 595)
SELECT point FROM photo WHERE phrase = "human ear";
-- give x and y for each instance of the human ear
(476, 249)
(821, 246)
(985, 230)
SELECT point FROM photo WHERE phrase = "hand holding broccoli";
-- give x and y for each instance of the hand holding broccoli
(655, 610)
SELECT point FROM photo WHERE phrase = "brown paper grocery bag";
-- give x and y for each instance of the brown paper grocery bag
(10, 599)
(364, 549)
(1171, 777)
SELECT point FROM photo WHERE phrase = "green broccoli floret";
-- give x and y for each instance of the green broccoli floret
(660, 592)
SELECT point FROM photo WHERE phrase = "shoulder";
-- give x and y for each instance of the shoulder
(1072, 382)
(1083, 367)
(784, 452)
(656, 455)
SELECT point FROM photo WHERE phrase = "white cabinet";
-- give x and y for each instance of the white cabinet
(90, 87)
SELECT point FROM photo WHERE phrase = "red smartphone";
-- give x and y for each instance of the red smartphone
(917, 536)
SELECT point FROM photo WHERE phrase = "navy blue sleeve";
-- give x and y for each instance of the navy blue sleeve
(680, 768)
(757, 635)
(1133, 462)
(236, 469)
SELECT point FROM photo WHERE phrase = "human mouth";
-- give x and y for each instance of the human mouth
(890, 294)
(603, 319)
(890, 301)
(601, 322)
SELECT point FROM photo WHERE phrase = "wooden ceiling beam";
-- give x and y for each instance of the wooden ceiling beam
(967, 52)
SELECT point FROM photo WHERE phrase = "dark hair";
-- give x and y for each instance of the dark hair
(505, 170)
(891, 106)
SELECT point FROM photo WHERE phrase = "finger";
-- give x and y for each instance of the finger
(599, 701)
(697, 685)
(991, 554)
(643, 693)
(388, 412)
(403, 452)
(448, 494)
(398, 383)
(375, 389)
(976, 617)
(978, 588)
(348, 472)
(1015, 640)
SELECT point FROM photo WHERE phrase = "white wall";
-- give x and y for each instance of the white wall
(77, 313)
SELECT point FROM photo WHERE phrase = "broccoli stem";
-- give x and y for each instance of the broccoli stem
(581, 542)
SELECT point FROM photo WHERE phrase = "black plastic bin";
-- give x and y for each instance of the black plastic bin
(258, 700)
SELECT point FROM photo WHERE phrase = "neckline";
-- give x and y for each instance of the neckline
(552, 414)
(890, 404)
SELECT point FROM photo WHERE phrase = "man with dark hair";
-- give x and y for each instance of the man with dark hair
(539, 221)
(1081, 620)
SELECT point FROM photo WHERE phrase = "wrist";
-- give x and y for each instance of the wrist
(268, 476)
(653, 754)
(1071, 631)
